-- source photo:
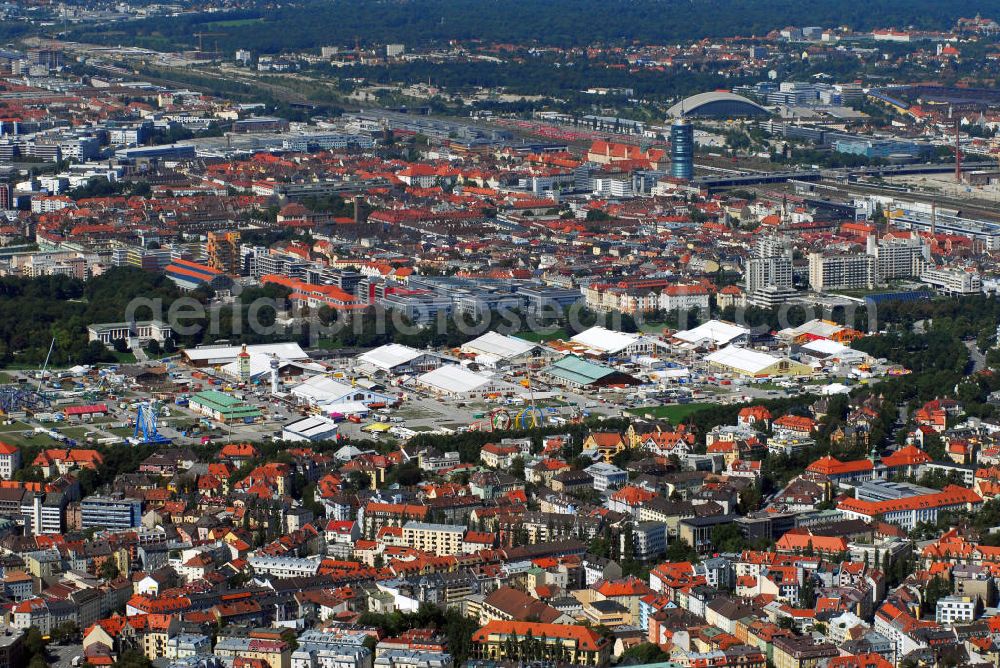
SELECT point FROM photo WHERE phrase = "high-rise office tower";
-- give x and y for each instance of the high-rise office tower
(682, 149)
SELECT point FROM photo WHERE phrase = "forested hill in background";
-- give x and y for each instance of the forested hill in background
(563, 23)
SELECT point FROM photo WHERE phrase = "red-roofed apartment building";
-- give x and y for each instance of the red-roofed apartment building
(797, 425)
(837, 471)
(313, 295)
(10, 460)
(907, 512)
(502, 640)
(58, 461)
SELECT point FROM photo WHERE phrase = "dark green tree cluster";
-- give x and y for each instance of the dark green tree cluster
(456, 627)
(34, 311)
(937, 350)
(936, 589)
(644, 653)
(34, 649)
(312, 24)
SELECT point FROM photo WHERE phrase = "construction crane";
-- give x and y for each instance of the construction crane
(41, 373)
(530, 418)
(201, 43)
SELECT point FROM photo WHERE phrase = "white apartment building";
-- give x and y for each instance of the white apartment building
(765, 272)
(953, 281)
(438, 539)
(10, 460)
(311, 655)
(284, 567)
(607, 476)
(898, 258)
(683, 297)
(953, 609)
(841, 272)
(407, 658)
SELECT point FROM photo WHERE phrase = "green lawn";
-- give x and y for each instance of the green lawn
(232, 23)
(550, 403)
(124, 358)
(673, 412)
(76, 433)
(17, 426)
(20, 434)
(546, 335)
(329, 344)
(768, 386)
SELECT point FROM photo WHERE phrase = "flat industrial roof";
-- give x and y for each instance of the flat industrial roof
(578, 370)
(605, 340)
(323, 388)
(498, 345)
(717, 331)
(226, 354)
(743, 359)
(454, 379)
(311, 426)
(390, 355)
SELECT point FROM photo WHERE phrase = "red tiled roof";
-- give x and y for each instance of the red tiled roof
(586, 639)
(951, 495)
(909, 455)
(831, 466)
(792, 542)
(85, 410)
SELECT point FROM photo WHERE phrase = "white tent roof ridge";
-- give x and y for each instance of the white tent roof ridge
(391, 355)
(744, 359)
(605, 340)
(285, 351)
(456, 379)
(499, 345)
(719, 331)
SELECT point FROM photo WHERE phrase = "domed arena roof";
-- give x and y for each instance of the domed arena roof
(717, 104)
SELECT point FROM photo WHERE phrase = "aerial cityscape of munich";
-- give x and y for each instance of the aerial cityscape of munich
(499, 334)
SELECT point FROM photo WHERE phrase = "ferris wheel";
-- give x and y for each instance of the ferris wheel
(500, 419)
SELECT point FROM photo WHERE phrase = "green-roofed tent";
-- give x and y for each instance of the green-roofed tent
(575, 371)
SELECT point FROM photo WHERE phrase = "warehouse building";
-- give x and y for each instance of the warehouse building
(206, 356)
(746, 362)
(494, 350)
(223, 408)
(602, 342)
(576, 372)
(398, 360)
(312, 428)
(326, 391)
(712, 334)
(459, 382)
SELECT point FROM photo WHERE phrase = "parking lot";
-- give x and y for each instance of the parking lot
(61, 656)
